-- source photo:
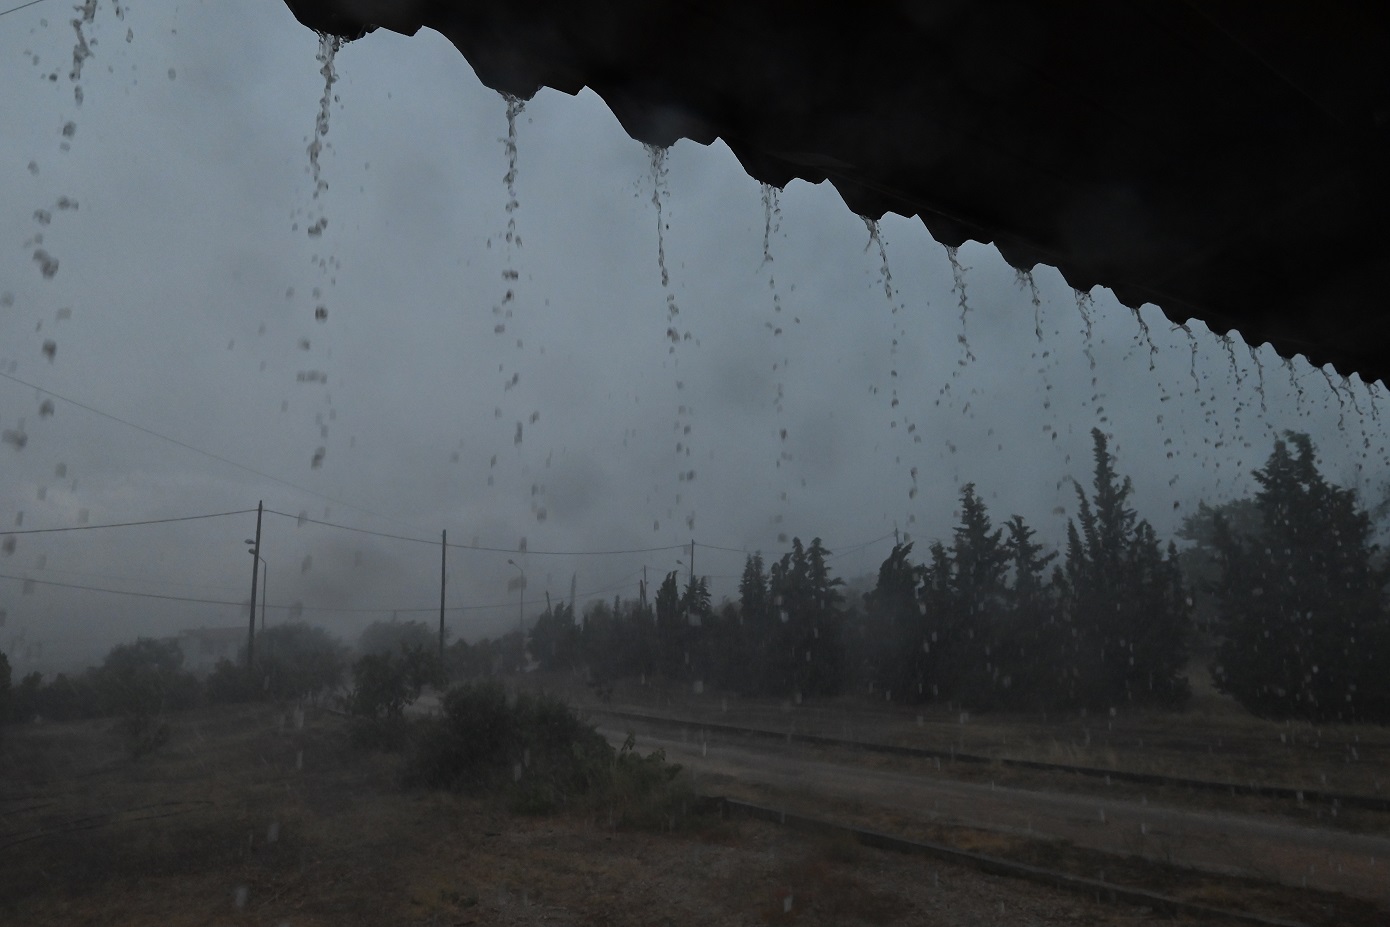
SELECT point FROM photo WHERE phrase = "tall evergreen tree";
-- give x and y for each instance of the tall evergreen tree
(672, 629)
(805, 656)
(898, 648)
(757, 628)
(1301, 602)
(1127, 610)
(965, 602)
(1031, 644)
(555, 638)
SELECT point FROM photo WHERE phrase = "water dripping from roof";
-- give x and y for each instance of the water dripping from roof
(683, 425)
(1228, 343)
(772, 225)
(660, 192)
(316, 226)
(1146, 335)
(328, 50)
(81, 50)
(1336, 394)
(898, 311)
(1084, 304)
(1293, 382)
(1192, 358)
(1024, 279)
(958, 284)
(1260, 377)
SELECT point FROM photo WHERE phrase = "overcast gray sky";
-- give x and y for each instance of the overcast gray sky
(184, 304)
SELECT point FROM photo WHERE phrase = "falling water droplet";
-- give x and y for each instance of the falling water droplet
(958, 272)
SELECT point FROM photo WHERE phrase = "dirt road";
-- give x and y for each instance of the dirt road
(1247, 845)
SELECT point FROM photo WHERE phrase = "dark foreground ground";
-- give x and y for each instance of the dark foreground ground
(251, 816)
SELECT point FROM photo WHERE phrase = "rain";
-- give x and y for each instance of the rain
(326, 350)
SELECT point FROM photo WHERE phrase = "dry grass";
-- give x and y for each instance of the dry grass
(247, 817)
(1213, 739)
(1231, 892)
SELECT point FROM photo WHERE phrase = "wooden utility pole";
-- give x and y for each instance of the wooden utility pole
(443, 564)
(692, 563)
(255, 574)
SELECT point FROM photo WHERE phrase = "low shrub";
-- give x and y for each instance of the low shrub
(141, 682)
(538, 752)
(646, 792)
(230, 683)
(471, 746)
(385, 684)
(296, 661)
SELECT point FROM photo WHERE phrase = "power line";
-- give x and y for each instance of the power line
(137, 579)
(138, 595)
(858, 547)
(22, 6)
(296, 607)
(729, 550)
(569, 553)
(128, 524)
(304, 519)
(198, 450)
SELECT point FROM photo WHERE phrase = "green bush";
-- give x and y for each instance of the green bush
(537, 751)
(297, 660)
(140, 682)
(229, 683)
(468, 748)
(562, 758)
(646, 792)
(384, 684)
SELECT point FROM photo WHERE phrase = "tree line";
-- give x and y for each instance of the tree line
(1281, 593)
(1289, 585)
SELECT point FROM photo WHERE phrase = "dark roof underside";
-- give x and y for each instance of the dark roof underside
(1226, 161)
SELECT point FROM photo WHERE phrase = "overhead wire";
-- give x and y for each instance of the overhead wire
(137, 579)
(127, 524)
(139, 595)
(197, 450)
(22, 6)
(295, 607)
(304, 519)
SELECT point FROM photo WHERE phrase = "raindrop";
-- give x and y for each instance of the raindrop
(48, 264)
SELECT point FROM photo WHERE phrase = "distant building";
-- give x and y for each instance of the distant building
(203, 647)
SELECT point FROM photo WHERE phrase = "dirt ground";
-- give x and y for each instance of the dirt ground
(1214, 739)
(257, 815)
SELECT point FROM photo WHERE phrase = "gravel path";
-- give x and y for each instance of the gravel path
(1263, 848)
